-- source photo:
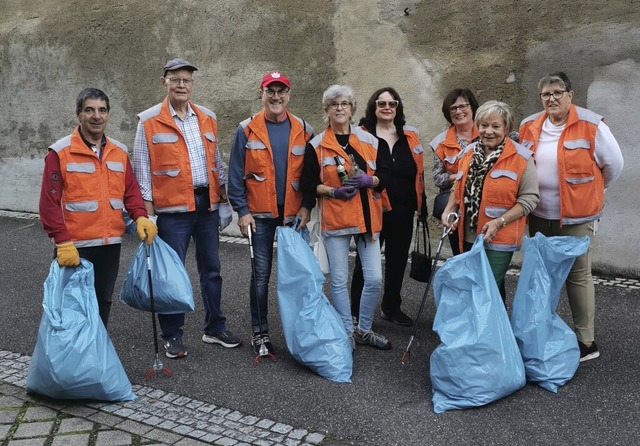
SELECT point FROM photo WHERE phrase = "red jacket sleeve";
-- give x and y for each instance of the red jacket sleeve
(50, 200)
(132, 196)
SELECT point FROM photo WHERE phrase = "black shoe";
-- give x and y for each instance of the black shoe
(397, 318)
(174, 348)
(259, 339)
(225, 338)
(587, 353)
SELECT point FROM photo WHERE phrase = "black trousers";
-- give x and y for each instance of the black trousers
(396, 234)
(106, 261)
(454, 242)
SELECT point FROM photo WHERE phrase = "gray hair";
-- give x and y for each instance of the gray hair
(496, 108)
(555, 78)
(337, 91)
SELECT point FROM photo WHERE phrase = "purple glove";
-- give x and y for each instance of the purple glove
(360, 180)
(343, 193)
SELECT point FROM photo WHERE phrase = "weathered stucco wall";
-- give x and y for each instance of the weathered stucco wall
(49, 51)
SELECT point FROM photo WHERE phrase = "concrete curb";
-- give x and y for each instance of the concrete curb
(156, 417)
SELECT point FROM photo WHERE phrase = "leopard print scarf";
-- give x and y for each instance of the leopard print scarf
(478, 169)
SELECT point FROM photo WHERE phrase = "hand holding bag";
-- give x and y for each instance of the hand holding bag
(421, 254)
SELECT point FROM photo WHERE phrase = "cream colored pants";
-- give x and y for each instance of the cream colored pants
(579, 283)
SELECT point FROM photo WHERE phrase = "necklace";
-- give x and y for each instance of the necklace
(561, 122)
(347, 144)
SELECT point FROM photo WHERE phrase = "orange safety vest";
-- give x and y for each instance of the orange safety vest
(580, 180)
(447, 148)
(171, 179)
(417, 151)
(342, 217)
(93, 190)
(260, 171)
(499, 194)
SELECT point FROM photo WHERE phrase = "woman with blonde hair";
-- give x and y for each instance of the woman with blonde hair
(495, 189)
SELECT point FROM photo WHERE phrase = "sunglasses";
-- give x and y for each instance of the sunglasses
(390, 104)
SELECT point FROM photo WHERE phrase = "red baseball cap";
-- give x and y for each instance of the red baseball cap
(274, 76)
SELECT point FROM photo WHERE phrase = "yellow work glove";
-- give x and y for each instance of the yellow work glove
(67, 254)
(146, 229)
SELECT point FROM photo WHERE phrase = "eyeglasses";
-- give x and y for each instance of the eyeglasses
(461, 107)
(390, 104)
(272, 93)
(335, 105)
(556, 95)
(178, 81)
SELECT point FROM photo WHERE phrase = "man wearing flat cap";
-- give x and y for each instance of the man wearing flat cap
(178, 166)
(265, 165)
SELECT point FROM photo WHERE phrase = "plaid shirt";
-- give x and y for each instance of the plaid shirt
(197, 159)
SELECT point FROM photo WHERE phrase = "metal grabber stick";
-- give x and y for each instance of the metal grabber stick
(452, 217)
(157, 365)
(263, 351)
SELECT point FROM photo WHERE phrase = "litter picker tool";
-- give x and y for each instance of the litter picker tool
(452, 217)
(157, 365)
(262, 351)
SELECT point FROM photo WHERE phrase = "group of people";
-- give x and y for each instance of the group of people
(551, 173)
(367, 180)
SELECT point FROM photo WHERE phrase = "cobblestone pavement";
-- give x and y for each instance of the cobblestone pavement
(155, 418)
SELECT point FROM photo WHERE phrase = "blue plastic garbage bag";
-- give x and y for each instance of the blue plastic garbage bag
(313, 330)
(74, 357)
(172, 292)
(548, 346)
(478, 360)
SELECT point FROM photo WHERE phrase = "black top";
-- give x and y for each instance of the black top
(401, 183)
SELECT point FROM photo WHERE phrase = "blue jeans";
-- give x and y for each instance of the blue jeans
(177, 230)
(396, 235)
(262, 241)
(369, 252)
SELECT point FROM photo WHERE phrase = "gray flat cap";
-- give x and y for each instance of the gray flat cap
(175, 64)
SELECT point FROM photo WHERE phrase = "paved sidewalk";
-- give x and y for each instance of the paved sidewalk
(155, 418)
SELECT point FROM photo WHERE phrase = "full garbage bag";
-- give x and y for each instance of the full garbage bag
(172, 292)
(478, 360)
(313, 330)
(548, 346)
(74, 357)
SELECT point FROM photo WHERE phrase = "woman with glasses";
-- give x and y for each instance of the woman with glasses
(384, 118)
(495, 189)
(458, 108)
(351, 209)
(577, 158)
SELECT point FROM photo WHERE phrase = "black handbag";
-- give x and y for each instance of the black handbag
(421, 254)
(440, 203)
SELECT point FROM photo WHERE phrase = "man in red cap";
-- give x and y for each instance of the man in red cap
(265, 165)
(178, 166)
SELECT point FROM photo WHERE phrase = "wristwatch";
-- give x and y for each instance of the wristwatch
(504, 222)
